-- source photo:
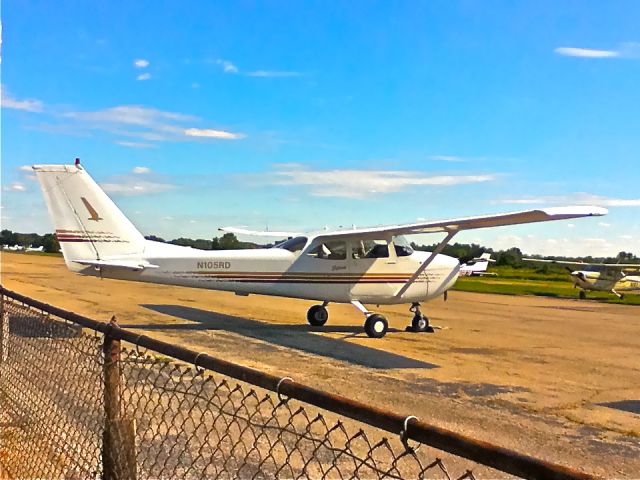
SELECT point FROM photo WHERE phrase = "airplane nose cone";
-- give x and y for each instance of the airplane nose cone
(451, 264)
(578, 274)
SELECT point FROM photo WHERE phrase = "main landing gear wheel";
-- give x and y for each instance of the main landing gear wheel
(376, 326)
(317, 315)
(582, 295)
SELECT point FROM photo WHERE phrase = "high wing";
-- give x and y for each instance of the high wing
(613, 266)
(470, 223)
(255, 233)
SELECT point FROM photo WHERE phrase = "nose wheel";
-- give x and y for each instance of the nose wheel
(419, 322)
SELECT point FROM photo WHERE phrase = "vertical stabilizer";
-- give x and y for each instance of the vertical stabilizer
(87, 223)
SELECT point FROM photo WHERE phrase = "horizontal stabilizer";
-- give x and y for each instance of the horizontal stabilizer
(128, 264)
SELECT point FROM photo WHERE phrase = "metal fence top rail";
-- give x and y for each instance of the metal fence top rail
(409, 427)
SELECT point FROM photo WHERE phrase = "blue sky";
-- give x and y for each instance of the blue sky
(299, 115)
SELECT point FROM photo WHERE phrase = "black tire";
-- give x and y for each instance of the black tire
(376, 326)
(622, 296)
(317, 316)
(420, 323)
(582, 295)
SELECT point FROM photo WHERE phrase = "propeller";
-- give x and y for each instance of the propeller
(580, 275)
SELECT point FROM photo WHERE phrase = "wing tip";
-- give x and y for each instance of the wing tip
(576, 211)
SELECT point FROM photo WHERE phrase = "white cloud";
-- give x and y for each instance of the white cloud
(361, 184)
(211, 133)
(143, 76)
(562, 246)
(28, 105)
(447, 158)
(227, 66)
(141, 63)
(15, 187)
(571, 225)
(136, 115)
(273, 74)
(146, 123)
(586, 52)
(580, 198)
(136, 144)
(27, 173)
(132, 187)
(624, 50)
(604, 224)
(141, 170)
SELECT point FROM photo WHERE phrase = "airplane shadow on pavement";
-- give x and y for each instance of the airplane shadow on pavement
(299, 337)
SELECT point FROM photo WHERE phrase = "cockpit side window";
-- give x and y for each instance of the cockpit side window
(370, 249)
(294, 245)
(331, 250)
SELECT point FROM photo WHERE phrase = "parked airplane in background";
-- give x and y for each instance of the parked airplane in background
(601, 277)
(35, 249)
(369, 265)
(477, 267)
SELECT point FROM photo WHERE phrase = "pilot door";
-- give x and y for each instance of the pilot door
(373, 265)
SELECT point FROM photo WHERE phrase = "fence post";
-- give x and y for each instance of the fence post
(118, 449)
(4, 331)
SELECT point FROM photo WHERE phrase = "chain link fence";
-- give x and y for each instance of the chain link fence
(80, 399)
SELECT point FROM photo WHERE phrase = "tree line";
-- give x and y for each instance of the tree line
(228, 241)
(464, 251)
(512, 257)
(48, 241)
(50, 244)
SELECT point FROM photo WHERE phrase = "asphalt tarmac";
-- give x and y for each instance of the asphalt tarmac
(554, 378)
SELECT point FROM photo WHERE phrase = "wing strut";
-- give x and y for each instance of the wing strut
(426, 263)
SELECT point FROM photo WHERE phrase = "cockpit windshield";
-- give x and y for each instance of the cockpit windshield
(294, 245)
(403, 247)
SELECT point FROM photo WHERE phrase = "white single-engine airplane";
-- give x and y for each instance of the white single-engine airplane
(601, 277)
(477, 267)
(369, 265)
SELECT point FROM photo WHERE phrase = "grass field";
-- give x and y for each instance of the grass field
(526, 281)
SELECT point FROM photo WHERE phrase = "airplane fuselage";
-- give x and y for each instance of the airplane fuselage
(279, 272)
(597, 281)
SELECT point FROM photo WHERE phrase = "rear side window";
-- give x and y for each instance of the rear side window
(334, 250)
(370, 249)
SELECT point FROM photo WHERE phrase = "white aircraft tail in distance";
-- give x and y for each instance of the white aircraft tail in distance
(615, 278)
(358, 266)
(477, 267)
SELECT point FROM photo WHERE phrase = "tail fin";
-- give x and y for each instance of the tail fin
(88, 224)
(486, 256)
